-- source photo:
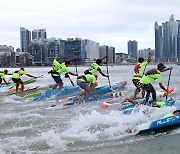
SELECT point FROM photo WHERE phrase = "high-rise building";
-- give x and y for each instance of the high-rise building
(178, 42)
(25, 39)
(6, 55)
(74, 47)
(107, 51)
(158, 41)
(144, 53)
(167, 40)
(133, 48)
(44, 51)
(39, 34)
(91, 49)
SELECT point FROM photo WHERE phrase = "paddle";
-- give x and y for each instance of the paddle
(9, 80)
(76, 64)
(39, 76)
(168, 82)
(108, 74)
(67, 76)
(71, 81)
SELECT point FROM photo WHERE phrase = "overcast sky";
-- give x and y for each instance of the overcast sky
(109, 22)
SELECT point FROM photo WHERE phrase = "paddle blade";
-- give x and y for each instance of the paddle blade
(104, 105)
(169, 91)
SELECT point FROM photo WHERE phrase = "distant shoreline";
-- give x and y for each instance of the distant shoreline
(88, 64)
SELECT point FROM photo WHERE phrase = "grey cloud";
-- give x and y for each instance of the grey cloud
(115, 21)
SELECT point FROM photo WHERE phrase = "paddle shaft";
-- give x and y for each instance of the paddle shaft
(71, 81)
(108, 74)
(39, 76)
(76, 66)
(168, 83)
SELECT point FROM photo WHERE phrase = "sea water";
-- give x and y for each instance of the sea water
(28, 127)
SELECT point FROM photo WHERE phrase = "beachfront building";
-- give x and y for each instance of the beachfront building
(91, 49)
(25, 39)
(167, 40)
(7, 56)
(39, 34)
(133, 48)
(144, 53)
(75, 47)
(107, 51)
(39, 52)
(44, 51)
(23, 59)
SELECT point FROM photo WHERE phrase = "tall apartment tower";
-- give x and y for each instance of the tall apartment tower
(158, 41)
(167, 44)
(91, 49)
(107, 51)
(133, 48)
(39, 34)
(25, 39)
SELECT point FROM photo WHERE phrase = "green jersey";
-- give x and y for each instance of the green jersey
(140, 72)
(62, 68)
(168, 115)
(147, 79)
(2, 75)
(93, 68)
(56, 65)
(89, 78)
(17, 75)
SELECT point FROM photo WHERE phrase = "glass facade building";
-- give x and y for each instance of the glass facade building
(133, 48)
(74, 47)
(167, 40)
(39, 34)
(25, 39)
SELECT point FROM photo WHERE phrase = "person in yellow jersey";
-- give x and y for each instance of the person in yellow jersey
(87, 83)
(172, 114)
(57, 62)
(94, 68)
(16, 78)
(139, 69)
(149, 77)
(63, 68)
(2, 76)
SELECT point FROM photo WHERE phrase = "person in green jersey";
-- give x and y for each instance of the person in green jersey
(172, 114)
(149, 77)
(63, 68)
(16, 78)
(138, 73)
(2, 76)
(87, 83)
(94, 68)
(57, 63)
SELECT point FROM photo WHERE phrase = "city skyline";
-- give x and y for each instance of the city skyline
(111, 23)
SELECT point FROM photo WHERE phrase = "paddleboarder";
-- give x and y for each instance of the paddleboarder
(139, 69)
(94, 68)
(2, 76)
(63, 68)
(16, 78)
(149, 77)
(87, 83)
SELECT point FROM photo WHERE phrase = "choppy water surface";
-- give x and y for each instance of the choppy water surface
(29, 127)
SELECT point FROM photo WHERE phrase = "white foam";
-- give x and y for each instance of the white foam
(53, 140)
(94, 126)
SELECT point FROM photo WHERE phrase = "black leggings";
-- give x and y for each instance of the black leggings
(149, 89)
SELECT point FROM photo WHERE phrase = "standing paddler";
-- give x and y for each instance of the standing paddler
(58, 69)
(139, 69)
(2, 76)
(16, 78)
